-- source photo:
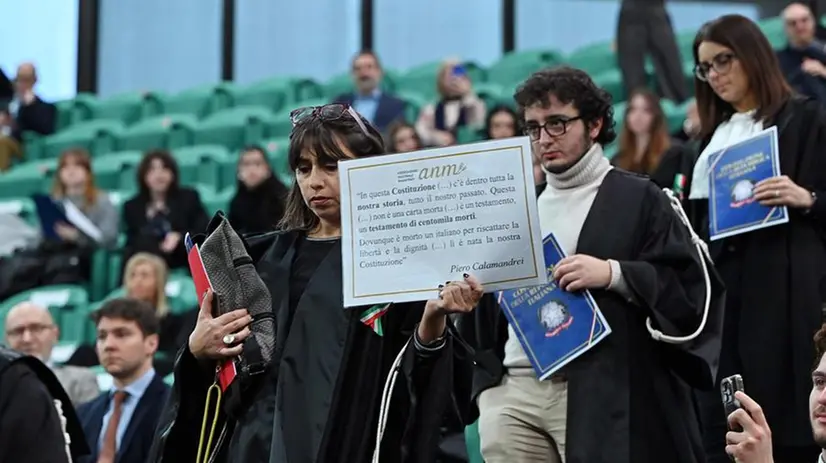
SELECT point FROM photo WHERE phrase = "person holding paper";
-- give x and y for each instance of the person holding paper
(320, 400)
(776, 276)
(75, 183)
(626, 400)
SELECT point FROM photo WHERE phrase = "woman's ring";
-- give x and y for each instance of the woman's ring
(776, 193)
(229, 339)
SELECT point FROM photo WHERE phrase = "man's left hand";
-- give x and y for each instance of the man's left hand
(580, 271)
(754, 443)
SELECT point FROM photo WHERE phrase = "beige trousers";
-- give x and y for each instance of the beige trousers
(523, 420)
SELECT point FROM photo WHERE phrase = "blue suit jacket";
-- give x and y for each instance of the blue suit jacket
(141, 429)
(389, 110)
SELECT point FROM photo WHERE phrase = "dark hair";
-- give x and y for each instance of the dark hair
(166, 159)
(759, 62)
(395, 128)
(322, 137)
(501, 109)
(658, 143)
(820, 345)
(369, 53)
(569, 85)
(132, 310)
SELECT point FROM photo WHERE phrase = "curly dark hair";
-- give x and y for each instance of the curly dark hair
(569, 85)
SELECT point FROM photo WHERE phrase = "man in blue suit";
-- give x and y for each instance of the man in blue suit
(378, 107)
(120, 423)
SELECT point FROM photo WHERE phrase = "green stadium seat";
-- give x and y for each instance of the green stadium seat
(299, 89)
(271, 95)
(67, 303)
(611, 81)
(277, 152)
(215, 201)
(414, 104)
(674, 115)
(338, 85)
(281, 125)
(773, 29)
(180, 292)
(611, 150)
(167, 131)
(28, 178)
(469, 135)
(491, 93)
(116, 171)
(234, 127)
(32, 146)
(78, 109)
(21, 207)
(204, 164)
(474, 448)
(127, 107)
(96, 136)
(515, 67)
(594, 59)
(199, 101)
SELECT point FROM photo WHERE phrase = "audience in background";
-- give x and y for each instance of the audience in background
(377, 106)
(402, 138)
(644, 136)
(501, 122)
(458, 107)
(259, 198)
(26, 112)
(645, 29)
(803, 61)
(162, 212)
(75, 183)
(30, 329)
(120, 424)
(690, 129)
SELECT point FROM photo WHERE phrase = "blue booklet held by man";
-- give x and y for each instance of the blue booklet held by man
(733, 173)
(554, 326)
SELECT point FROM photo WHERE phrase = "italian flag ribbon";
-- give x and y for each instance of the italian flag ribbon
(372, 317)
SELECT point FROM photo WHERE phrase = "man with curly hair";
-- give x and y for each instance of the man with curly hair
(627, 399)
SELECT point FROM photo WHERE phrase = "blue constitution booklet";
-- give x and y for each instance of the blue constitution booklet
(553, 326)
(733, 173)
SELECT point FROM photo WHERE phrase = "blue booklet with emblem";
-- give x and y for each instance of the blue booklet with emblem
(733, 173)
(553, 326)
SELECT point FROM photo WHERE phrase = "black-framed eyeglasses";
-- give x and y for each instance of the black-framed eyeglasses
(555, 127)
(328, 112)
(721, 63)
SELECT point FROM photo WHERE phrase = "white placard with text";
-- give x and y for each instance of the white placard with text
(412, 221)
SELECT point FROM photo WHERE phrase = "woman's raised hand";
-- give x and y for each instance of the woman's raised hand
(218, 337)
(457, 296)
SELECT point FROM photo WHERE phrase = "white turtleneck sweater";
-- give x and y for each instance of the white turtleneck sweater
(563, 207)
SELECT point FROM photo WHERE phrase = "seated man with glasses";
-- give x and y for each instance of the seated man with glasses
(626, 400)
(30, 329)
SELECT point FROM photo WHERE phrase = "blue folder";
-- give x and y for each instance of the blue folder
(50, 214)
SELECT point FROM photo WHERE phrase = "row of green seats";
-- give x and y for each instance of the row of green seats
(70, 305)
(208, 164)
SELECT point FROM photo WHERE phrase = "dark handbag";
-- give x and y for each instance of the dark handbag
(236, 284)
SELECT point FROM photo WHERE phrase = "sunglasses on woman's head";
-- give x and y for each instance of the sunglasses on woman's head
(326, 113)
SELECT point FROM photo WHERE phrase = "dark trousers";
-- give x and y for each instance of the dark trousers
(648, 30)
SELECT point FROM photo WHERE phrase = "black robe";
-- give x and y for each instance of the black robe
(776, 280)
(626, 404)
(322, 392)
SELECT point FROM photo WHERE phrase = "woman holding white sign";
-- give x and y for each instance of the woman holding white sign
(322, 397)
(776, 276)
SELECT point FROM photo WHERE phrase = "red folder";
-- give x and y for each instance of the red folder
(226, 370)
